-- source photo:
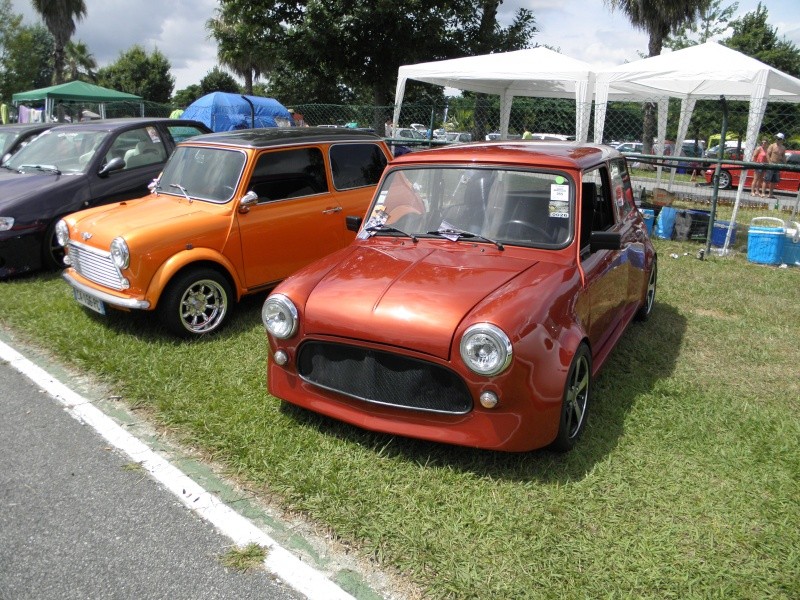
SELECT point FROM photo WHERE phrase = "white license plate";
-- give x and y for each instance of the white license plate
(89, 301)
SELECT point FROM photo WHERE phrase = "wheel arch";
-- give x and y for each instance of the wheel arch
(185, 261)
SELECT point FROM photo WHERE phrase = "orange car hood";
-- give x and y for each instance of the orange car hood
(407, 296)
(139, 220)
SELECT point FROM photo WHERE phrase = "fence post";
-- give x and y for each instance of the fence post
(717, 168)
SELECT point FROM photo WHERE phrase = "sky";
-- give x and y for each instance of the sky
(583, 29)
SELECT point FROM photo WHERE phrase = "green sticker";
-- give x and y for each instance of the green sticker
(560, 180)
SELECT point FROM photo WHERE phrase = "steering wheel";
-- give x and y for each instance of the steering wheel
(538, 233)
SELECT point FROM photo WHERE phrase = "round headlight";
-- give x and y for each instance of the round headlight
(485, 349)
(119, 253)
(6, 223)
(62, 233)
(279, 316)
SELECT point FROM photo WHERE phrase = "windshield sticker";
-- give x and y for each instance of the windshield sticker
(558, 209)
(449, 232)
(559, 192)
(377, 219)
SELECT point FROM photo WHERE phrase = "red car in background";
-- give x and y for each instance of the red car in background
(729, 175)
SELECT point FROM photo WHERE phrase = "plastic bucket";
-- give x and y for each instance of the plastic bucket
(764, 243)
(665, 223)
(649, 217)
(720, 232)
(791, 246)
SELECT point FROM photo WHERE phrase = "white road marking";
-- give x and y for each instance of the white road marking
(285, 565)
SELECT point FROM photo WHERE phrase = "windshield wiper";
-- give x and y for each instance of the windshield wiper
(183, 191)
(389, 228)
(459, 233)
(50, 168)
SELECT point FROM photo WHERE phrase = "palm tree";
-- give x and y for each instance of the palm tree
(79, 62)
(59, 17)
(658, 18)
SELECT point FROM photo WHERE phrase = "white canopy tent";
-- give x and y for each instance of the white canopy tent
(705, 71)
(538, 72)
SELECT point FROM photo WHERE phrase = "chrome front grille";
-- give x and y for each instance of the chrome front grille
(95, 265)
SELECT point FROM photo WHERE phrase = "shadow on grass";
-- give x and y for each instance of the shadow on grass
(646, 354)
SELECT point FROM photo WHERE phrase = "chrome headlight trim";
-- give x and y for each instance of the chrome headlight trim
(120, 255)
(6, 223)
(279, 316)
(486, 349)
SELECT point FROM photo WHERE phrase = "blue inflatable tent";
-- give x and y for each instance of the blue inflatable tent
(221, 111)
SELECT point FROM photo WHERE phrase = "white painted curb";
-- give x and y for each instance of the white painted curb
(285, 565)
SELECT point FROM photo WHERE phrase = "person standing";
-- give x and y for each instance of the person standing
(776, 155)
(759, 156)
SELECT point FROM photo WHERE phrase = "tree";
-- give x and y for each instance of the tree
(754, 37)
(712, 22)
(248, 35)
(79, 61)
(138, 73)
(658, 18)
(59, 17)
(218, 81)
(186, 96)
(362, 45)
(25, 54)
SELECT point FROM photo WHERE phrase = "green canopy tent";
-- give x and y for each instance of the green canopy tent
(74, 91)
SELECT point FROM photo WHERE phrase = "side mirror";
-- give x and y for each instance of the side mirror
(353, 222)
(115, 164)
(248, 200)
(605, 240)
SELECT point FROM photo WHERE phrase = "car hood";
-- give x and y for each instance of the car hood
(15, 187)
(144, 222)
(410, 296)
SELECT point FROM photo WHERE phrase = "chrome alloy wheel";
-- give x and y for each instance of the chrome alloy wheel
(203, 306)
(577, 397)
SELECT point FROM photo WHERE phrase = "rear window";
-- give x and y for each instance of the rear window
(356, 165)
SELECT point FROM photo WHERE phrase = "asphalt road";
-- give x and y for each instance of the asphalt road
(79, 520)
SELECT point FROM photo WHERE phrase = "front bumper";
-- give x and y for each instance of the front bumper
(111, 299)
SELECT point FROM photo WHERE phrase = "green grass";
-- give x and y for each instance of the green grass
(685, 485)
(244, 559)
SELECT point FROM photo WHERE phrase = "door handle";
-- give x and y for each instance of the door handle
(330, 211)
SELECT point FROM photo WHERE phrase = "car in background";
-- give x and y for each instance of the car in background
(17, 135)
(457, 137)
(729, 175)
(71, 167)
(734, 150)
(233, 213)
(635, 147)
(408, 133)
(486, 288)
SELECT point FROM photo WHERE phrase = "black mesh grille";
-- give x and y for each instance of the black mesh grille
(383, 377)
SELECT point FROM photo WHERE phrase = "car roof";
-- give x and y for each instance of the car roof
(276, 136)
(113, 124)
(541, 153)
(18, 127)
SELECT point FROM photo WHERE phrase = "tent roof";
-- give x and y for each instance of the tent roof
(533, 72)
(704, 71)
(75, 90)
(223, 111)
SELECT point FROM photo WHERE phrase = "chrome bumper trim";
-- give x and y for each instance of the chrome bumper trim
(105, 297)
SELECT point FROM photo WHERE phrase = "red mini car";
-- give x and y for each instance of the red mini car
(486, 288)
(729, 175)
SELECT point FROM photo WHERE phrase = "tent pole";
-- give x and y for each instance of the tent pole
(717, 168)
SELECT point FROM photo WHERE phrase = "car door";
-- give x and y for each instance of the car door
(605, 293)
(296, 219)
(144, 150)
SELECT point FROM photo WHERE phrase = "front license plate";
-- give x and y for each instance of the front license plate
(89, 301)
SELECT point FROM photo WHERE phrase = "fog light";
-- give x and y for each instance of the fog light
(67, 260)
(281, 358)
(489, 399)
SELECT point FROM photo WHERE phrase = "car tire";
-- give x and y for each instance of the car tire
(196, 302)
(646, 309)
(724, 180)
(52, 252)
(575, 402)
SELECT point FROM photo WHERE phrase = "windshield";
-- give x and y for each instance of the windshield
(6, 139)
(65, 151)
(201, 173)
(515, 207)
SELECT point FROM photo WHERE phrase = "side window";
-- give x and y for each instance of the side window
(138, 147)
(596, 202)
(622, 192)
(283, 174)
(180, 133)
(356, 165)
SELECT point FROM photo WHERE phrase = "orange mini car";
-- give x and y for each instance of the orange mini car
(486, 288)
(231, 214)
